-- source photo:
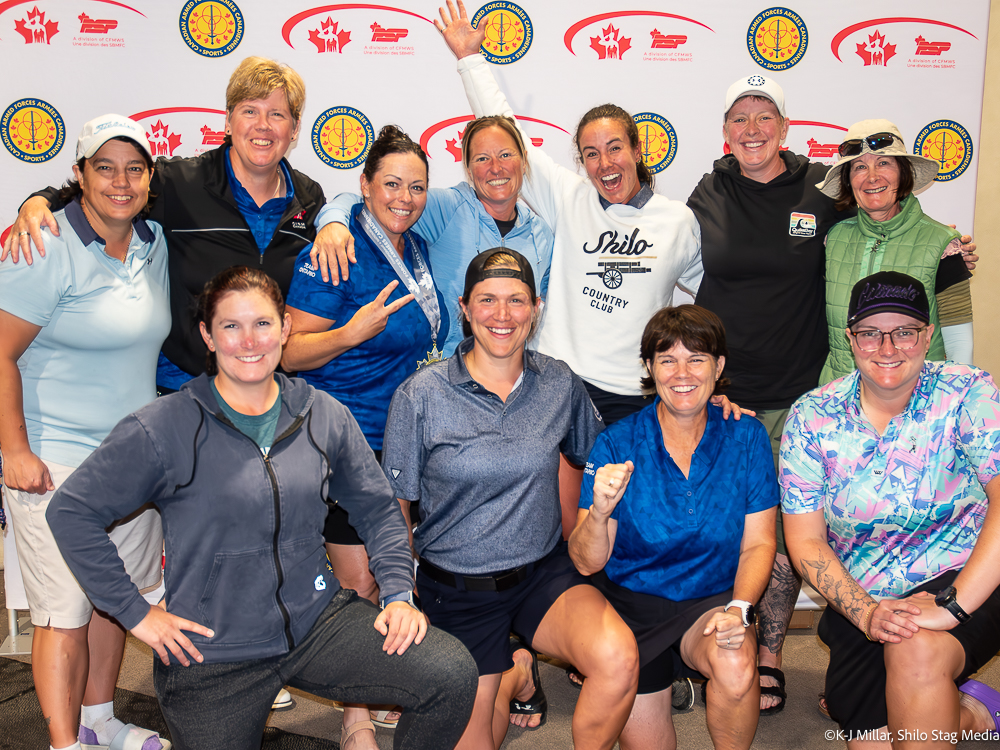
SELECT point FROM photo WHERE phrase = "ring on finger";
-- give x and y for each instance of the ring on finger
(23, 234)
(611, 482)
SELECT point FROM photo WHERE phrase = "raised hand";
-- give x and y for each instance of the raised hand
(462, 38)
(370, 320)
(610, 482)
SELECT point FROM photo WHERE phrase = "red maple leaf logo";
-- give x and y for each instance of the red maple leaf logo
(328, 38)
(876, 51)
(35, 29)
(454, 145)
(162, 141)
(609, 46)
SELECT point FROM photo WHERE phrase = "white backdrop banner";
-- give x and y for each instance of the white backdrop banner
(919, 63)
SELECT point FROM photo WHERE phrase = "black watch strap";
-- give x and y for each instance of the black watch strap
(948, 599)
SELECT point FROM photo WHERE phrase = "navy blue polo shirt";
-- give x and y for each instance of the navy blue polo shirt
(364, 378)
(679, 538)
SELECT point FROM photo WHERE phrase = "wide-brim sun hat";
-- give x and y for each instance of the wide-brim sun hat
(924, 169)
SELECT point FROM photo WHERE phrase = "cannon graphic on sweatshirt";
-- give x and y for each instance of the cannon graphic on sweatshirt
(612, 271)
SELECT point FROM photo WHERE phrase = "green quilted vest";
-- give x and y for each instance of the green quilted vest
(909, 243)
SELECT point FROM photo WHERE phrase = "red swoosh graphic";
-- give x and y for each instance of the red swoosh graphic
(168, 110)
(433, 130)
(291, 23)
(835, 44)
(572, 30)
(818, 124)
(12, 3)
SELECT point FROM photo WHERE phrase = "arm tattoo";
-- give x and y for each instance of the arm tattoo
(837, 586)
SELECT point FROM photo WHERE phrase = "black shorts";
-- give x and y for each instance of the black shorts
(483, 620)
(658, 626)
(855, 679)
(614, 407)
(338, 529)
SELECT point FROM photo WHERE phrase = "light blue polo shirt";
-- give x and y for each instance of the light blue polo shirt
(103, 323)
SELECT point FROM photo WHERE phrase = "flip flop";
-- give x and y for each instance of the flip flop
(985, 695)
(130, 737)
(536, 704)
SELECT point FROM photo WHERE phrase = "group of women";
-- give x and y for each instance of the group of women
(477, 437)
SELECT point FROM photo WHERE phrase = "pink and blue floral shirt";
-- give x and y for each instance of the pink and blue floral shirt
(906, 506)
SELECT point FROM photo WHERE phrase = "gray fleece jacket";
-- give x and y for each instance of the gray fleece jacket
(243, 532)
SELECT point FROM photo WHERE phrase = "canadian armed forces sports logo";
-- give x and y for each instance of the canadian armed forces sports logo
(212, 28)
(777, 39)
(342, 137)
(949, 144)
(32, 130)
(657, 140)
(508, 31)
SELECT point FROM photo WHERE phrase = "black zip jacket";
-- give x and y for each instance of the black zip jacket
(206, 234)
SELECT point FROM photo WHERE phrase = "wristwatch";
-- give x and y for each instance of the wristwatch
(947, 599)
(747, 611)
(403, 596)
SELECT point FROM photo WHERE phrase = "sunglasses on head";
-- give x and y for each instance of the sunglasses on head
(875, 142)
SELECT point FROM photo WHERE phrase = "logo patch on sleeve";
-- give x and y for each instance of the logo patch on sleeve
(319, 583)
(395, 473)
(801, 225)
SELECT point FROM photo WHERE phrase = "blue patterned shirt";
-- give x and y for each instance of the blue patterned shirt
(906, 506)
(679, 538)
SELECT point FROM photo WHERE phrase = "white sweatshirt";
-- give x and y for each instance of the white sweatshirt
(611, 269)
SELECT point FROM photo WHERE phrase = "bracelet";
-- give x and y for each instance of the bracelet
(867, 621)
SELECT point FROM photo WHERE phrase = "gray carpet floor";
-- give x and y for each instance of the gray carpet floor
(800, 725)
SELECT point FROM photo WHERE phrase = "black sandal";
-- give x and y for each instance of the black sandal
(537, 703)
(778, 690)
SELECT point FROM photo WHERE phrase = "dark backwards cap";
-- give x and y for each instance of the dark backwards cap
(476, 271)
(888, 291)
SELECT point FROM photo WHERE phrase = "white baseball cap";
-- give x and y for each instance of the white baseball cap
(102, 129)
(756, 85)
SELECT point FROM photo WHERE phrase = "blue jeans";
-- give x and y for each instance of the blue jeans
(225, 705)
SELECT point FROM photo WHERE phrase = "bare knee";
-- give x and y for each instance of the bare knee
(613, 659)
(734, 673)
(929, 655)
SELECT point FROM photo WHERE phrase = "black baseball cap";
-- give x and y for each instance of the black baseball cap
(888, 291)
(476, 271)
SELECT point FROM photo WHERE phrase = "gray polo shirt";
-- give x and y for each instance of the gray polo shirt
(486, 473)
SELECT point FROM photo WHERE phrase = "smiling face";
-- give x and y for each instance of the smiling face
(247, 334)
(610, 160)
(684, 380)
(396, 194)
(875, 183)
(501, 314)
(754, 132)
(261, 132)
(888, 372)
(115, 184)
(496, 170)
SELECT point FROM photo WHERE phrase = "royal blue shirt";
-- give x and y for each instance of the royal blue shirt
(365, 377)
(679, 538)
(262, 220)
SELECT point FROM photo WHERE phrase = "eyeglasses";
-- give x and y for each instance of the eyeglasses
(870, 340)
(875, 142)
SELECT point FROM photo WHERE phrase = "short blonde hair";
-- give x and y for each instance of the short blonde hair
(259, 77)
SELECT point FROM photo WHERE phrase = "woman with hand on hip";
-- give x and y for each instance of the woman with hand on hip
(79, 338)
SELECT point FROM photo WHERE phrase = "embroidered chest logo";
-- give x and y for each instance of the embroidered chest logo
(801, 225)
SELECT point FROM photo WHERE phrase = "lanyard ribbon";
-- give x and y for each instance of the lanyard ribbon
(421, 287)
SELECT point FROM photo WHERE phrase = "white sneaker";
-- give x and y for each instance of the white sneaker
(283, 701)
